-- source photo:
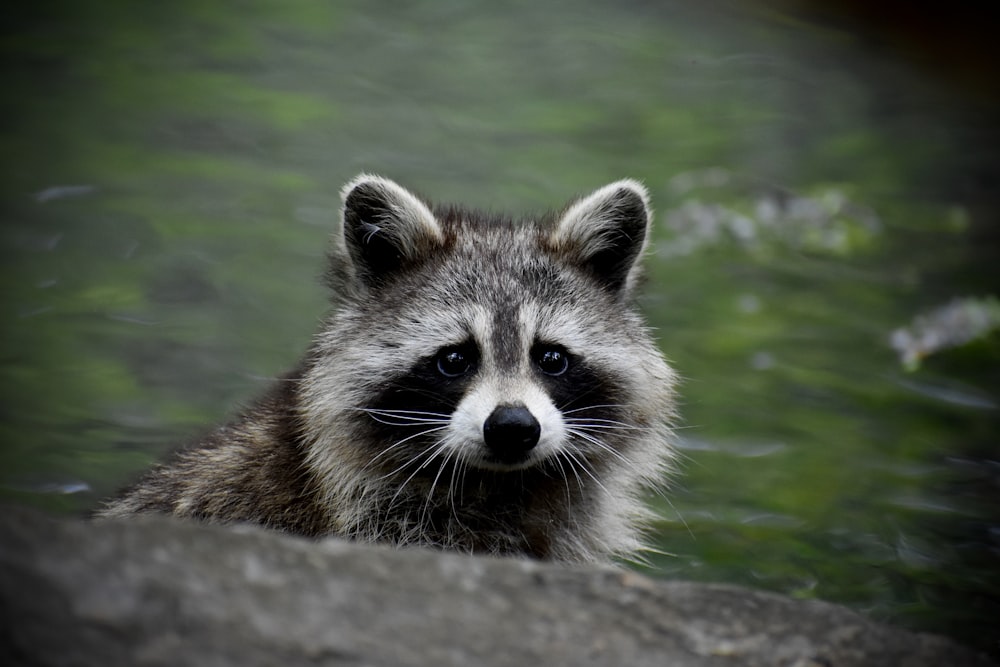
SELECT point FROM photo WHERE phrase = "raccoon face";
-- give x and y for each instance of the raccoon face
(486, 344)
(510, 420)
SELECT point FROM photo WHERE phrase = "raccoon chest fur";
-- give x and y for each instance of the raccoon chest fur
(481, 384)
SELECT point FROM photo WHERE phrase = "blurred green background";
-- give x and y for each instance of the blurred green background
(169, 182)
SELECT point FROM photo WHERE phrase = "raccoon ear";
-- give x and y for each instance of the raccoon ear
(385, 227)
(606, 232)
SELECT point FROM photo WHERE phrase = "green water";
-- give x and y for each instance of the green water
(170, 179)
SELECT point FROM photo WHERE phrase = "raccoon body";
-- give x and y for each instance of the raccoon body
(481, 385)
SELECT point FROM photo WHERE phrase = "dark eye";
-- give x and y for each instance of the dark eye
(453, 362)
(551, 360)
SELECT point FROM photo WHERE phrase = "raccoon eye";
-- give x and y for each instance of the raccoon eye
(453, 362)
(552, 360)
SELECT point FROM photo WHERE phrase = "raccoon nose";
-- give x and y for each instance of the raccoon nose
(510, 432)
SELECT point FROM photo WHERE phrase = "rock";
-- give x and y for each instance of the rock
(154, 591)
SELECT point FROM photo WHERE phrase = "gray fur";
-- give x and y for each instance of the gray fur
(370, 440)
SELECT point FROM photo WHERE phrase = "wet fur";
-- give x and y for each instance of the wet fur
(365, 440)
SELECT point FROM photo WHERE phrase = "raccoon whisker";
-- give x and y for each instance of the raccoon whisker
(610, 425)
(442, 446)
(596, 429)
(583, 466)
(404, 466)
(575, 463)
(452, 492)
(598, 482)
(412, 421)
(402, 413)
(429, 452)
(597, 443)
(462, 477)
(572, 468)
(413, 459)
(394, 418)
(562, 476)
(600, 420)
(588, 407)
(396, 444)
(579, 482)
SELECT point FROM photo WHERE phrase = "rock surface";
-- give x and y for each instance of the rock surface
(153, 591)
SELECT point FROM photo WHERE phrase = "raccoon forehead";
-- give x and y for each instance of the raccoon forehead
(477, 279)
(503, 247)
(420, 325)
(469, 275)
(585, 328)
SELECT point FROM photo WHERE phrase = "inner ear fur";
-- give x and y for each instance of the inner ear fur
(385, 227)
(606, 232)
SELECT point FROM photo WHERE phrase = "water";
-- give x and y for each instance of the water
(170, 181)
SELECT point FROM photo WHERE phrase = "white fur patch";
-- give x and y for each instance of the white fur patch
(465, 434)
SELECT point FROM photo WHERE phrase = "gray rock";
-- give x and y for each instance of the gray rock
(154, 591)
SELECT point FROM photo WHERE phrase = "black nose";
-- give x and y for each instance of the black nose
(510, 432)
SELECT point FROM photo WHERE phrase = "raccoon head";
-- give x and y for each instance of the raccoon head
(479, 342)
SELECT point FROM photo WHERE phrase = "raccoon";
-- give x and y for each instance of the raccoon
(482, 385)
